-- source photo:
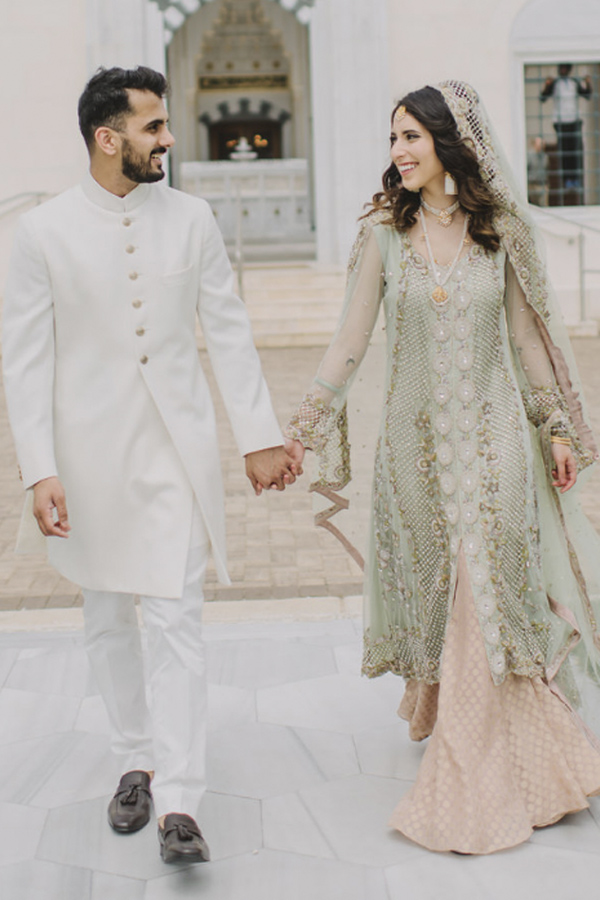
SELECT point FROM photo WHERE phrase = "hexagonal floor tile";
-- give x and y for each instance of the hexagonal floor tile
(53, 671)
(20, 830)
(257, 664)
(353, 815)
(25, 714)
(259, 761)
(341, 703)
(35, 880)
(268, 874)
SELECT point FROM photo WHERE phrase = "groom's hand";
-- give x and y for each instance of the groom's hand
(50, 508)
(271, 469)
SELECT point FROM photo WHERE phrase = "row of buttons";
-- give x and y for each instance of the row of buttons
(137, 302)
(131, 249)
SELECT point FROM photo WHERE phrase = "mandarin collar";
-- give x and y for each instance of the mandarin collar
(101, 197)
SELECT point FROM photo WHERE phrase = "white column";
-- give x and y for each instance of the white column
(124, 33)
(351, 105)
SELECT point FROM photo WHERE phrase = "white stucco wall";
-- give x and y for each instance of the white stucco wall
(48, 49)
(42, 70)
(467, 39)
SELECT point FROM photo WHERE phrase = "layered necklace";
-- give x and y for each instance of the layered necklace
(444, 216)
(440, 294)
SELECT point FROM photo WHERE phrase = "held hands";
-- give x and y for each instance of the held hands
(296, 450)
(564, 470)
(274, 468)
(49, 495)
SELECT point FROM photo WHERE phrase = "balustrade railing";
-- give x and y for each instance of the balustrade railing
(13, 204)
(579, 237)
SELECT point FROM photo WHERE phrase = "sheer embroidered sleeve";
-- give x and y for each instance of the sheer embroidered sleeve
(320, 422)
(544, 401)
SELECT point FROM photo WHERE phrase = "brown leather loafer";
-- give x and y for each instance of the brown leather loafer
(129, 810)
(181, 840)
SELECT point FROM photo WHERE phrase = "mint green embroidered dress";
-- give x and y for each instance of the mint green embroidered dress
(480, 578)
(455, 467)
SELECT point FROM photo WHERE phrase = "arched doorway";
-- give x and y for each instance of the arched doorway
(239, 72)
(346, 97)
(235, 61)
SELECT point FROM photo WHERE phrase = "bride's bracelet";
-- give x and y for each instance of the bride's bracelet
(555, 439)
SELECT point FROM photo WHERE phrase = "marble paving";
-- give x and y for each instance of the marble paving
(306, 762)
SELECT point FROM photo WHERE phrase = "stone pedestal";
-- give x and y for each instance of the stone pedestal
(271, 197)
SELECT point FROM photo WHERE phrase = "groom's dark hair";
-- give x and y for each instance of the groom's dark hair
(105, 100)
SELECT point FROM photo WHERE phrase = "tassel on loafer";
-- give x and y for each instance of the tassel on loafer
(130, 808)
(181, 840)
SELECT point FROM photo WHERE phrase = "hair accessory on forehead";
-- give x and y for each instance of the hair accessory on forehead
(399, 114)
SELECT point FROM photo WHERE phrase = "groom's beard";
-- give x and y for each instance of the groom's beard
(138, 169)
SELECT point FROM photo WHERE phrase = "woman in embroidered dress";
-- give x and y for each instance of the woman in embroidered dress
(472, 548)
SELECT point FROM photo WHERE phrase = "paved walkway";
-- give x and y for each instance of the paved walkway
(306, 762)
(275, 551)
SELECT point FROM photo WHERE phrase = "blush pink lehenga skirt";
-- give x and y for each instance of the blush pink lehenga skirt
(501, 760)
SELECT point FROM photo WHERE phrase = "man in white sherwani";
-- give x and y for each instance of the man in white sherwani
(115, 432)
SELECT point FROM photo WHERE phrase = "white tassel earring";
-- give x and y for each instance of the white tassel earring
(449, 184)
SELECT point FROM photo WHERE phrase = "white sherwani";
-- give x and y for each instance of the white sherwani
(104, 384)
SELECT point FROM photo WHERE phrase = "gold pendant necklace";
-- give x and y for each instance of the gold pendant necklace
(444, 216)
(440, 294)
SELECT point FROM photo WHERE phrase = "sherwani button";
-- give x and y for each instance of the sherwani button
(136, 304)
(143, 360)
(133, 275)
(140, 331)
(129, 248)
(126, 221)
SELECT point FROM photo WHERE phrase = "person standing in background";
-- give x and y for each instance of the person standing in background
(565, 91)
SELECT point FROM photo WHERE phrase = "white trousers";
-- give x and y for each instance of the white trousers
(162, 728)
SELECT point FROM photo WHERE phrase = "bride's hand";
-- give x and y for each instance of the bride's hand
(564, 470)
(296, 450)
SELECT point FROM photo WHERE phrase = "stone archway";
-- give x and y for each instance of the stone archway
(239, 70)
(235, 66)
(175, 12)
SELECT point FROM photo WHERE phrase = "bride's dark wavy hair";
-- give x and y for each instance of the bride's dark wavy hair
(455, 153)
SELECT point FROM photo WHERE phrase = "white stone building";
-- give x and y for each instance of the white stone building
(314, 82)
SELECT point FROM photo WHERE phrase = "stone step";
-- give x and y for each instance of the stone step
(296, 325)
(293, 305)
(304, 302)
(286, 339)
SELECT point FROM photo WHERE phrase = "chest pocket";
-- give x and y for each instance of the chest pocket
(173, 279)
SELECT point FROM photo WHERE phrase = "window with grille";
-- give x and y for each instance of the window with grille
(562, 117)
